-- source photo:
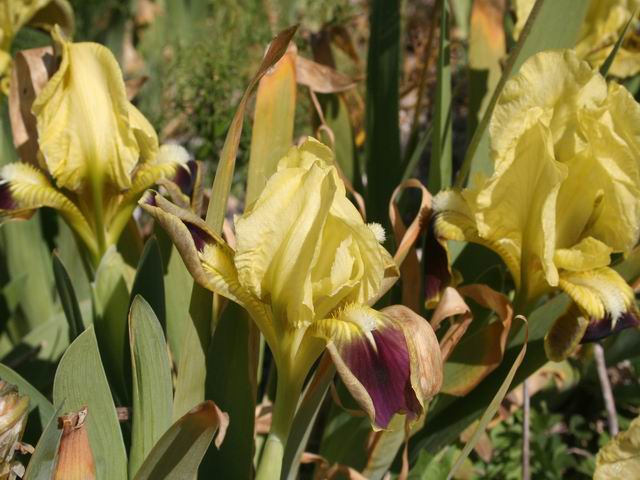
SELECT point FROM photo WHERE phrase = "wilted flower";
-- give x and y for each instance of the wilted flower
(564, 195)
(15, 14)
(75, 457)
(307, 268)
(98, 152)
(604, 22)
(14, 409)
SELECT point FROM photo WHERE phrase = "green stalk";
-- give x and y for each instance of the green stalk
(287, 395)
(98, 214)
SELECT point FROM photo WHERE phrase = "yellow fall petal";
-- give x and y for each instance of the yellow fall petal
(23, 189)
(86, 125)
(598, 292)
(207, 257)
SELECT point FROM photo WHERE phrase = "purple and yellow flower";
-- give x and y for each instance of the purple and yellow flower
(564, 195)
(307, 268)
(98, 153)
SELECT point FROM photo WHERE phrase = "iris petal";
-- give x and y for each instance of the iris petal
(86, 125)
(23, 189)
(390, 360)
(207, 256)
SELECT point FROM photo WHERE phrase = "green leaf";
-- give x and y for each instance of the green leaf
(233, 349)
(382, 143)
(192, 369)
(548, 27)
(381, 454)
(336, 115)
(152, 387)
(489, 413)
(23, 251)
(224, 173)
(272, 132)
(81, 381)
(449, 416)
(416, 155)
(43, 461)
(67, 298)
(441, 144)
(177, 293)
(604, 68)
(149, 283)
(111, 302)
(487, 47)
(306, 415)
(179, 451)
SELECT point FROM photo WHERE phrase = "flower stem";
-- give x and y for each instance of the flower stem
(287, 396)
(97, 191)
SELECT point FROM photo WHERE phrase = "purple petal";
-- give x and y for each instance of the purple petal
(600, 329)
(6, 199)
(385, 374)
(185, 178)
(200, 237)
(437, 272)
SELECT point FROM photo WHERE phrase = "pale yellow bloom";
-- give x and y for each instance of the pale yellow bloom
(15, 14)
(565, 192)
(98, 153)
(86, 126)
(307, 268)
(603, 25)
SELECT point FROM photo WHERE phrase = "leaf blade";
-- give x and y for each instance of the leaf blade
(152, 387)
(81, 381)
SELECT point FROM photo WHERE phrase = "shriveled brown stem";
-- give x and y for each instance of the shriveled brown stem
(607, 393)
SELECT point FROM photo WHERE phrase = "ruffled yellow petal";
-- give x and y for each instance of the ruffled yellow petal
(303, 247)
(278, 238)
(86, 125)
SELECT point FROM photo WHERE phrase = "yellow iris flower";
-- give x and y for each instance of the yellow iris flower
(564, 195)
(15, 14)
(98, 153)
(602, 27)
(307, 268)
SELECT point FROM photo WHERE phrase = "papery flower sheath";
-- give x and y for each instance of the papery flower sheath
(15, 14)
(98, 153)
(603, 24)
(306, 268)
(564, 195)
